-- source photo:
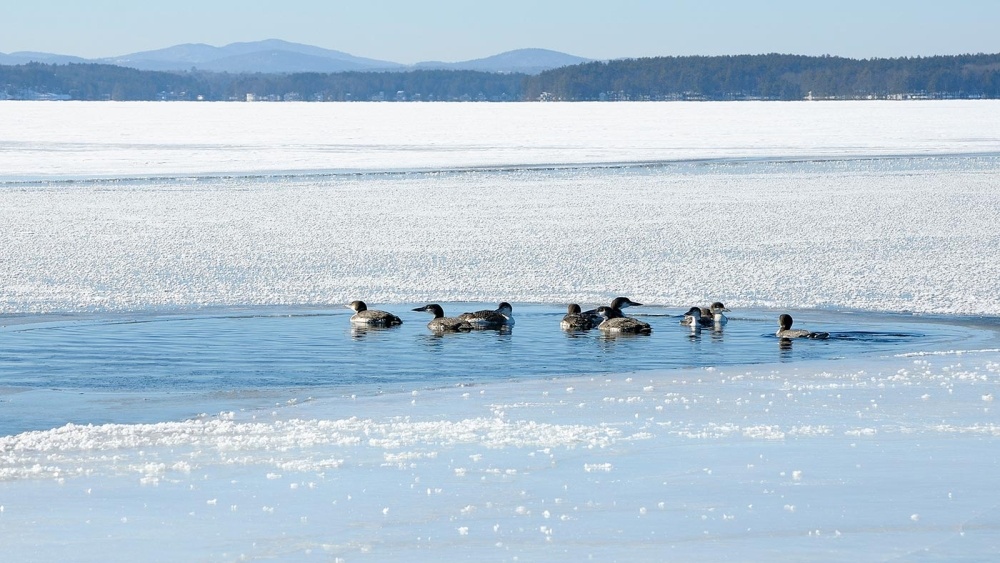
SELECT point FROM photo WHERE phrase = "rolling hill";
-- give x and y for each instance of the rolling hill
(278, 56)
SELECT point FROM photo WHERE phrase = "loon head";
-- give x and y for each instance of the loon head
(573, 309)
(505, 309)
(622, 302)
(785, 321)
(358, 306)
(433, 308)
(694, 312)
(718, 307)
(608, 312)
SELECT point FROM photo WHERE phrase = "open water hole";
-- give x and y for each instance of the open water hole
(130, 367)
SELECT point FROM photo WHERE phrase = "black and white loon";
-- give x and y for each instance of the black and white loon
(786, 332)
(487, 319)
(616, 323)
(575, 320)
(716, 311)
(695, 318)
(441, 323)
(363, 316)
(618, 303)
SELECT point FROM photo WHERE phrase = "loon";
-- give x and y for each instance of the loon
(441, 323)
(786, 332)
(716, 310)
(695, 318)
(575, 320)
(615, 323)
(500, 317)
(618, 303)
(363, 316)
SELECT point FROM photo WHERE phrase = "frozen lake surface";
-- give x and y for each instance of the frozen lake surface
(84, 140)
(178, 380)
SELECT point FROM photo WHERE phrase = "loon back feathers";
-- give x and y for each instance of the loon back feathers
(615, 322)
(491, 319)
(626, 325)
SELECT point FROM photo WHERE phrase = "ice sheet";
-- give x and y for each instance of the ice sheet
(909, 234)
(125, 139)
(879, 460)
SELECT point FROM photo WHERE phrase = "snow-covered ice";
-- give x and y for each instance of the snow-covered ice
(837, 206)
(74, 140)
(813, 462)
(917, 235)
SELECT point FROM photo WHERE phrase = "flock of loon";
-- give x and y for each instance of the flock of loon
(608, 319)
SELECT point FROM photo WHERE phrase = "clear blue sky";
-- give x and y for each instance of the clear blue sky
(412, 31)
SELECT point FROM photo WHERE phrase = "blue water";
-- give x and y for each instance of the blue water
(118, 365)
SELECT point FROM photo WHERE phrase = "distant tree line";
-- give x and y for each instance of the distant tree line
(766, 77)
(416, 85)
(89, 82)
(771, 77)
(110, 82)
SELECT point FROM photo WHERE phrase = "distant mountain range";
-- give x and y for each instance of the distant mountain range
(277, 56)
